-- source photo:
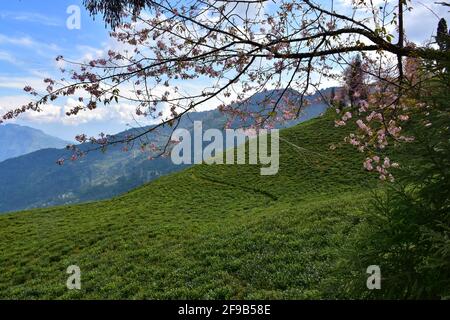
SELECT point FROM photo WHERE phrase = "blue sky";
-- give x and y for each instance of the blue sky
(33, 33)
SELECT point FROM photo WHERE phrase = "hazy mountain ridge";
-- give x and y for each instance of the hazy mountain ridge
(17, 140)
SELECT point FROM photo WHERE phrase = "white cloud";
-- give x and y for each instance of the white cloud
(21, 41)
(49, 113)
(125, 112)
(19, 83)
(90, 53)
(32, 17)
(41, 48)
(6, 56)
(120, 113)
(83, 116)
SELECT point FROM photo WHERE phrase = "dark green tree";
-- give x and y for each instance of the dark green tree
(443, 35)
(355, 81)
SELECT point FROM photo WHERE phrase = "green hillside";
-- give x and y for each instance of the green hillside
(213, 232)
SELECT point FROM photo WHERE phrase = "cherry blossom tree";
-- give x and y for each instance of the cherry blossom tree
(241, 47)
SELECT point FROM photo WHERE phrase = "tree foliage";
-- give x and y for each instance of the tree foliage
(355, 81)
(407, 232)
(443, 35)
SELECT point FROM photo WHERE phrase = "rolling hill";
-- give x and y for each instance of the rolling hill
(34, 180)
(16, 140)
(214, 232)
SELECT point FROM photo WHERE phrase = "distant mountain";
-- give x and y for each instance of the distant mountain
(18, 140)
(34, 180)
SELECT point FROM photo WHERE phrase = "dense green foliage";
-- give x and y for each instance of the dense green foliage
(407, 229)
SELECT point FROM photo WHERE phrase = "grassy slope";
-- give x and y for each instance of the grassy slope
(207, 232)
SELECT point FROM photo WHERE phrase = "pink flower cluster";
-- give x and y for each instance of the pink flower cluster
(377, 125)
(375, 164)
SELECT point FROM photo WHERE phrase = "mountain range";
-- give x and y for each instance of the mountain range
(17, 140)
